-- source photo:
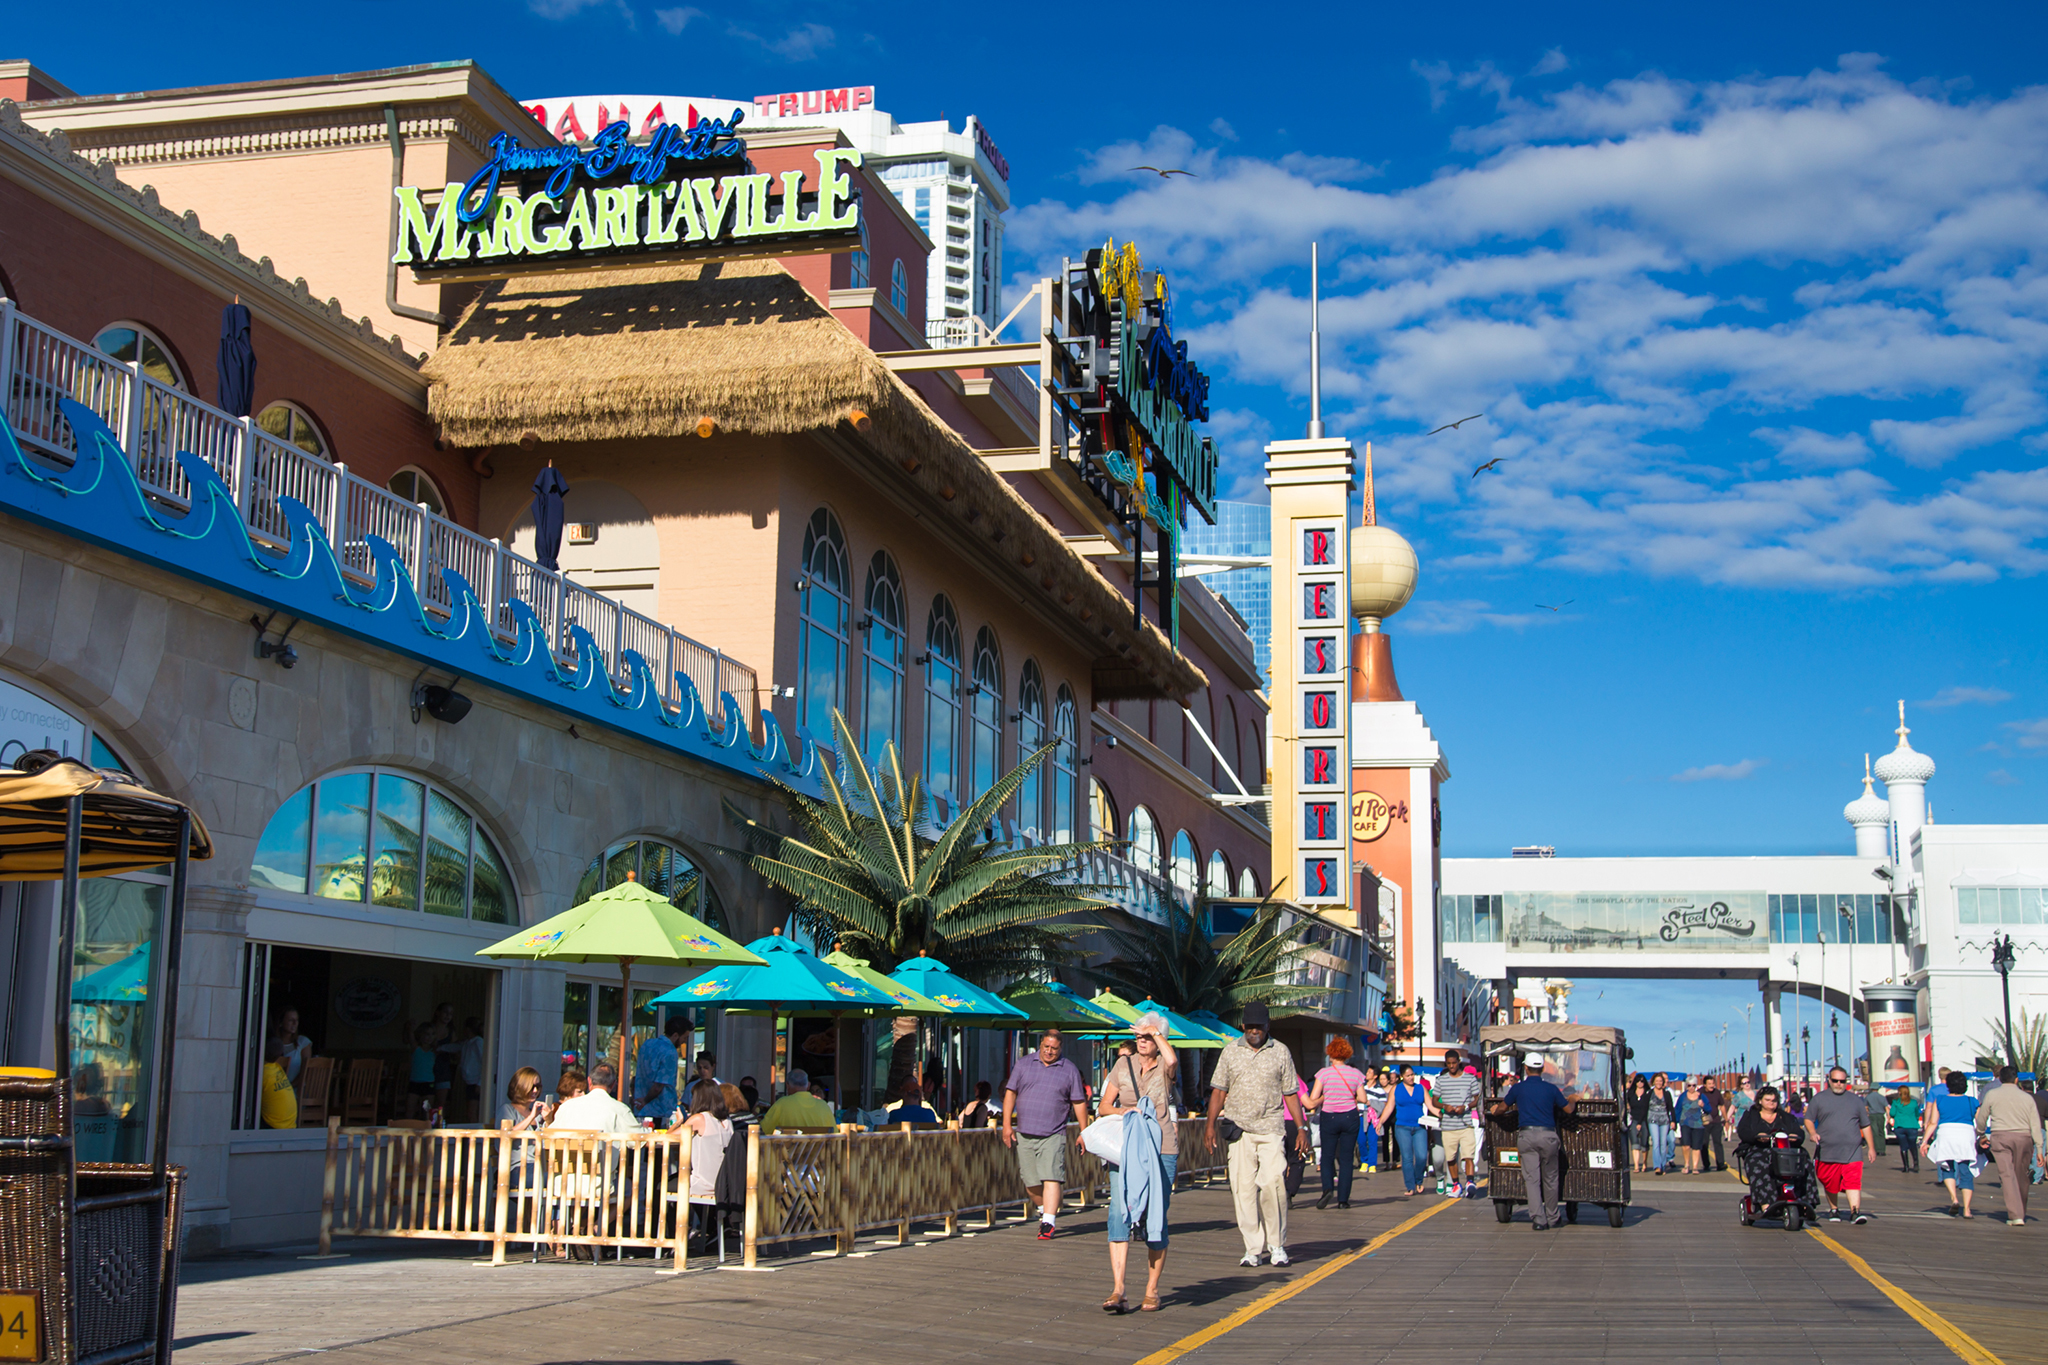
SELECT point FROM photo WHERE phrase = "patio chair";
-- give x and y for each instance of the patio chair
(316, 1092)
(359, 1100)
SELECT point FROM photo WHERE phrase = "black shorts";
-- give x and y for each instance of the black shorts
(1696, 1138)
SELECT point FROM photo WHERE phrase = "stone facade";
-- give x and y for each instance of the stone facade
(153, 663)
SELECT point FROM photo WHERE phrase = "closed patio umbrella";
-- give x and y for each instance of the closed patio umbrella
(626, 924)
(549, 488)
(237, 363)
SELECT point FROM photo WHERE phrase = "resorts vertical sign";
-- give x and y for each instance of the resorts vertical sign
(1321, 705)
(616, 202)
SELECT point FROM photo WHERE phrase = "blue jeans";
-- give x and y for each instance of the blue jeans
(1340, 1141)
(1660, 1146)
(1370, 1141)
(1119, 1230)
(1414, 1144)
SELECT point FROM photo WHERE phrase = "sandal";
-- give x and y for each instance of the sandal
(1115, 1304)
(1150, 1305)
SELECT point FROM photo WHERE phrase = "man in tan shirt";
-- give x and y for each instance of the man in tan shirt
(2008, 1117)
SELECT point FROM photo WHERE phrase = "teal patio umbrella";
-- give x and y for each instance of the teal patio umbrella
(117, 982)
(1208, 1019)
(968, 1002)
(1048, 1004)
(789, 980)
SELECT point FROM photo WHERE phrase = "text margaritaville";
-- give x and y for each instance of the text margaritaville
(653, 211)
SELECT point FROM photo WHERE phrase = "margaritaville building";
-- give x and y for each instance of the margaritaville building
(324, 623)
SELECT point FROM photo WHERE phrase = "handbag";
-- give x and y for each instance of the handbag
(1429, 1120)
(1104, 1139)
(1231, 1132)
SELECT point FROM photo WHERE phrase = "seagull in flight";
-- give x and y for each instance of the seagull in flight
(1448, 426)
(1163, 174)
(1560, 607)
(1493, 464)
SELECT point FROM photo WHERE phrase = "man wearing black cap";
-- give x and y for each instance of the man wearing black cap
(1256, 1088)
(1538, 1107)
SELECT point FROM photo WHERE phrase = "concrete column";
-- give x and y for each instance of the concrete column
(1774, 1030)
(210, 1004)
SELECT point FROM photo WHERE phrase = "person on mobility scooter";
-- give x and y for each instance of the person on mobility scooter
(1782, 1179)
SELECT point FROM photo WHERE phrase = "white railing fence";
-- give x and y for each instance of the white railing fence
(155, 422)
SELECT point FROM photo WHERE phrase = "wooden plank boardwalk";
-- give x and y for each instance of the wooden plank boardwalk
(1682, 1282)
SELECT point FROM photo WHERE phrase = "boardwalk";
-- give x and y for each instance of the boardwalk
(1682, 1282)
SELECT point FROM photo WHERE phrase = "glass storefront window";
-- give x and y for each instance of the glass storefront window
(663, 869)
(341, 833)
(400, 843)
(575, 1024)
(280, 861)
(395, 871)
(447, 856)
(113, 1008)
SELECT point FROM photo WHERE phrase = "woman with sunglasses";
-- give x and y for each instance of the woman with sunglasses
(1692, 1124)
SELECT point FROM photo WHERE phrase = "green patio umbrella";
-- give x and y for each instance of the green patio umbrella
(1052, 1005)
(786, 979)
(626, 924)
(1180, 1030)
(965, 1002)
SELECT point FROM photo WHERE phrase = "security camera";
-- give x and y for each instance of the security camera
(1881, 873)
(286, 656)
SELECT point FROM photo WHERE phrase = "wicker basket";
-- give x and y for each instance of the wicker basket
(126, 1251)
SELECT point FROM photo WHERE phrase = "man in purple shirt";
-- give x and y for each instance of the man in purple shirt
(1041, 1089)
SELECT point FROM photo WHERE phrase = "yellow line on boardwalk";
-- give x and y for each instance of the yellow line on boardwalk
(1287, 1291)
(1951, 1336)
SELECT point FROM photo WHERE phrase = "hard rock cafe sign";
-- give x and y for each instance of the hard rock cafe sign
(1372, 815)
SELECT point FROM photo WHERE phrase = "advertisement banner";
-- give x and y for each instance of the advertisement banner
(1637, 922)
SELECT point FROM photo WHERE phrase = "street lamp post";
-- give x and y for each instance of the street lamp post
(1788, 1057)
(1835, 1033)
(1891, 931)
(2002, 957)
(1805, 1057)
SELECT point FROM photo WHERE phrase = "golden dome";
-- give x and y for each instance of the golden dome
(1383, 571)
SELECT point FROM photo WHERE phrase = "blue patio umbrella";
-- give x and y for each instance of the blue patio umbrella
(237, 364)
(117, 982)
(549, 488)
(1049, 1004)
(790, 979)
(970, 1003)
(1209, 1020)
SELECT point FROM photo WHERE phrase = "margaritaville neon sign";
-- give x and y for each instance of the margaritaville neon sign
(615, 202)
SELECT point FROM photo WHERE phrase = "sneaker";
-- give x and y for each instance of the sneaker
(1472, 1190)
(1045, 1232)
(1251, 1258)
(1860, 1219)
(1280, 1256)
(1325, 1201)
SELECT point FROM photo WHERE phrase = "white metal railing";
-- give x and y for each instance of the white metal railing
(155, 423)
(943, 334)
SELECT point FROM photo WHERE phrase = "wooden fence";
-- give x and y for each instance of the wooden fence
(560, 1188)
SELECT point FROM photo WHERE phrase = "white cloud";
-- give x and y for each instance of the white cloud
(674, 21)
(1221, 127)
(1965, 696)
(1624, 278)
(1721, 772)
(802, 43)
(1999, 777)
(1436, 616)
(569, 9)
(2029, 734)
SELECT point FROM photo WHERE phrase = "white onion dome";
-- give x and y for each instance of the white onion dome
(1383, 571)
(1905, 763)
(1869, 808)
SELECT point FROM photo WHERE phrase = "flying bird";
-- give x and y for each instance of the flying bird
(1493, 464)
(1448, 426)
(1560, 607)
(1165, 173)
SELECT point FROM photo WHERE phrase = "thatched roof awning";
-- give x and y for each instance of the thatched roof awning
(640, 354)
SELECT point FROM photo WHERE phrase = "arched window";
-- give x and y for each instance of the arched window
(1184, 871)
(859, 274)
(882, 708)
(1218, 883)
(1248, 883)
(289, 423)
(1102, 821)
(387, 839)
(416, 485)
(1065, 765)
(1030, 735)
(941, 700)
(663, 869)
(985, 714)
(132, 341)
(899, 287)
(823, 598)
(1144, 850)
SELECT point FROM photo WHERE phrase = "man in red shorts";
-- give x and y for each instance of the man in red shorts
(1839, 1124)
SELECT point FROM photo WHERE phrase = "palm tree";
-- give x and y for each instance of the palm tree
(1180, 967)
(866, 874)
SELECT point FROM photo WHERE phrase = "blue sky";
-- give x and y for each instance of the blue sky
(1752, 300)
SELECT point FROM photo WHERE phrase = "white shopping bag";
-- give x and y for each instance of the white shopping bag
(1104, 1138)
